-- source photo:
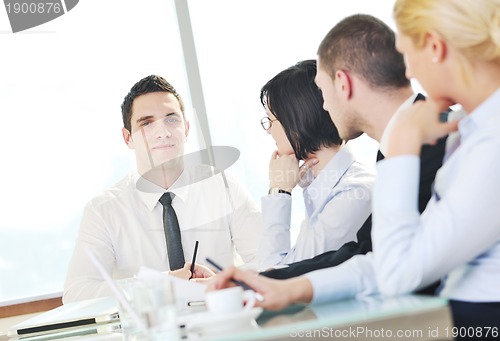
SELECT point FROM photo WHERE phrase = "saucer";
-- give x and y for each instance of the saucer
(207, 322)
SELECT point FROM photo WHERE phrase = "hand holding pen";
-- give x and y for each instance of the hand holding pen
(193, 262)
(193, 270)
(276, 294)
(198, 271)
(258, 296)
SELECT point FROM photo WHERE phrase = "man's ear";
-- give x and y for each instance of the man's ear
(186, 130)
(127, 137)
(343, 83)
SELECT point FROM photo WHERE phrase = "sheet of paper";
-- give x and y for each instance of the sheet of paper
(185, 291)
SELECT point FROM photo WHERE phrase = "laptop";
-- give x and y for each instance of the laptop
(89, 316)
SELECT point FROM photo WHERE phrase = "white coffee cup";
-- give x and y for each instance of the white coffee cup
(230, 300)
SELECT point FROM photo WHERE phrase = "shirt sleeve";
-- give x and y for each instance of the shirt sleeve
(334, 222)
(353, 278)
(83, 280)
(246, 224)
(335, 225)
(276, 241)
(413, 250)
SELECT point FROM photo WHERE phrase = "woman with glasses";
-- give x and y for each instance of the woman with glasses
(336, 187)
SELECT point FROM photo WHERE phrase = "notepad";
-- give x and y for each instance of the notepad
(185, 290)
(68, 317)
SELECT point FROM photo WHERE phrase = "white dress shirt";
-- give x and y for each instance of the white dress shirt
(124, 228)
(337, 203)
(457, 238)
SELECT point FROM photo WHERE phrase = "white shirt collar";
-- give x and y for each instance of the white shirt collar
(482, 117)
(150, 192)
(331, 174)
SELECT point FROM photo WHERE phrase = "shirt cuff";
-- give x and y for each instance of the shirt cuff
(276, 209)
(353, 278)
(397, 185)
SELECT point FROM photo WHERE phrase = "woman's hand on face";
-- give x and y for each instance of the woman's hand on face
(305, 179)
(415, 126)
(284, 170)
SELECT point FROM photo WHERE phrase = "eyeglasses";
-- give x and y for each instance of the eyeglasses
(267, 123)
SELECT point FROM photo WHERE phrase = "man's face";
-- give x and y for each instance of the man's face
(159, 130)
(336, 104)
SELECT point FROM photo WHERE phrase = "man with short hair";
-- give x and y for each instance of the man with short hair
(130, 225)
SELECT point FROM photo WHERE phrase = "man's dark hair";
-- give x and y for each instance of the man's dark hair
(296, 102)
(364, 45)
(144, 86)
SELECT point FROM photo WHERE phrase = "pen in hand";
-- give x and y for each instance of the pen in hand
(258, 296)
(194, 259)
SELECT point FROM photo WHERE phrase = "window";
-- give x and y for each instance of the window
(61, 89)
(243, 44)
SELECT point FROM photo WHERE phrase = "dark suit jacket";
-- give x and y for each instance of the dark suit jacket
(431, 159)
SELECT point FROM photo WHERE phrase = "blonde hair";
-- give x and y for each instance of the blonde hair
(471, 26)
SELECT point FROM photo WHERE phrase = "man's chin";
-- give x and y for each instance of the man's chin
(350, 135)
(163, 171)
(169, 163)
(163, 163)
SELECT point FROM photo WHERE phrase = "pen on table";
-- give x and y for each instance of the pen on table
(196, 303)
(194, 259)
(258, 296)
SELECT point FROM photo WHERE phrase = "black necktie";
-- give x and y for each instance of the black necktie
(380, 156)
(172, 232)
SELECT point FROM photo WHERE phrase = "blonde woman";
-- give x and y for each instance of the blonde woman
(453, 49)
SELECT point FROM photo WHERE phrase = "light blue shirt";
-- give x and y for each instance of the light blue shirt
(458, 235)
(457, 238)
(337, 202)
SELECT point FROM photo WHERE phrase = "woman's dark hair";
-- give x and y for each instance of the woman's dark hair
(295, 100)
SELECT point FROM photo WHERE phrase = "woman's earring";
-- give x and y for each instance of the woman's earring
(434, 59)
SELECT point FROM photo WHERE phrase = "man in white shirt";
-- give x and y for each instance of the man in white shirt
(124, 226)
(362, 79)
